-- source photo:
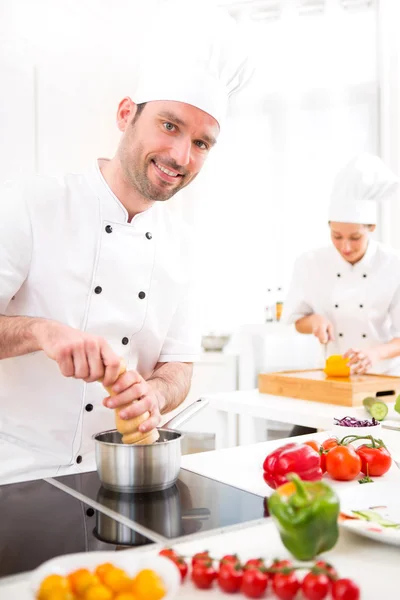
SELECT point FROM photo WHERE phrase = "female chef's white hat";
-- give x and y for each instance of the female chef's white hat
(357, 189)
(194, 54)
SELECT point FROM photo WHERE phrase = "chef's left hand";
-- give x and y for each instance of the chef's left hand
(361, 361)
(134, 392)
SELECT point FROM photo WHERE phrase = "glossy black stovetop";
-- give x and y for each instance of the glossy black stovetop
(39, 521)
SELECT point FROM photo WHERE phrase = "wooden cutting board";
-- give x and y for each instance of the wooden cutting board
(317, 386)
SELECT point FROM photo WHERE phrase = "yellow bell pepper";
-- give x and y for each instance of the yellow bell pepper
(337, 366)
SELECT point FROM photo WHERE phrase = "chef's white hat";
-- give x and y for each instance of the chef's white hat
(357, 189)
(194, 54)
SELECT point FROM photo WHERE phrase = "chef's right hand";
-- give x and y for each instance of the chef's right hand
(78, 354)
(322, 329)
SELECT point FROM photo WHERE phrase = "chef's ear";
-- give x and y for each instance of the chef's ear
(125, 113)
(371, 228)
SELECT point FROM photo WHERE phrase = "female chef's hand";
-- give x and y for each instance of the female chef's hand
(131, 387)
(322, 329)
(361, 361)
(78, 354)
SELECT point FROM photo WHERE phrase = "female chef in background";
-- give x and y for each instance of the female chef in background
(348, 294)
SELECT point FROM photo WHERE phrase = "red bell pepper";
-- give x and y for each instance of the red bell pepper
(292, 458)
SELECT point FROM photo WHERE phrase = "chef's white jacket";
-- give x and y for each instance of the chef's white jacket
(362, 301)
(68, 252)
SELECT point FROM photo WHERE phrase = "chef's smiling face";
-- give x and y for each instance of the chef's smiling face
(350, 239)
(164, 145)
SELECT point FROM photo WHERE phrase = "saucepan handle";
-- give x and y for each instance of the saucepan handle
(186, 413)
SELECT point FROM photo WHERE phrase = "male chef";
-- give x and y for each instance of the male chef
(94, 269)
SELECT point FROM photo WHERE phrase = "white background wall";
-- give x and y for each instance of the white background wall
(263, 195)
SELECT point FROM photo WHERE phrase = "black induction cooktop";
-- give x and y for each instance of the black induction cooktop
(194, 504)
(39, 520)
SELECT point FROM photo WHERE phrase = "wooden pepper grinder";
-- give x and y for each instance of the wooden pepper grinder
(129, 428)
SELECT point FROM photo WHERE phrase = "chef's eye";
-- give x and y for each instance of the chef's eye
(201, 145)
(169, 126)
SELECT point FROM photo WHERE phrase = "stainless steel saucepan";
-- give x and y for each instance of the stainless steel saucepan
(142, 468)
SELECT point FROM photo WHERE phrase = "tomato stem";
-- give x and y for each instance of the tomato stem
(375, 443)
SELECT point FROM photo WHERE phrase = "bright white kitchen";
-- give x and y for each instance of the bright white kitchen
(324, 90)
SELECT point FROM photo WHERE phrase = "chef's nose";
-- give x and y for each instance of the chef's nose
(346, 246)
(180, 150)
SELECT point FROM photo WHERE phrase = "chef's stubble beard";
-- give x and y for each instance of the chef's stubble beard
(137, 174)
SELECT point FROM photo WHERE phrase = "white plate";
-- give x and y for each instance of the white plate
(383, 499)
(131, 562)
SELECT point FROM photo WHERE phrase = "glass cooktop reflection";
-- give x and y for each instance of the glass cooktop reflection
(39, 522)
(194, 504)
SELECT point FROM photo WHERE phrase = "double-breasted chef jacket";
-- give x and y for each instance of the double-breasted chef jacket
(362, 301)
(68, 253)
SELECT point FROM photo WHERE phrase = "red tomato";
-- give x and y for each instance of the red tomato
(201, 557)
(315, 586)
(229, 559)
(331, 571)
(345, 589)
(343, 463)
(313, 444)
(254, 583)
(254, 563)
(323, 461)
(182, 566)
(374, 461)
(230, 577)
(178, 560)
(329, 443)
(168, 552)
(325, 447)
(285, 585)
(203, 575)
(318, 448)
(280, 564)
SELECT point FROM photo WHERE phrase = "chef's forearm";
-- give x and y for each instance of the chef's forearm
(17, 336)
(388, 350)
(305, 324)
(171, 382)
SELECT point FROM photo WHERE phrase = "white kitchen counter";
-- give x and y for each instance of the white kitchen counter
(252, 406)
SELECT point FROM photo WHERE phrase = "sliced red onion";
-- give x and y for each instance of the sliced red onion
(353, 422)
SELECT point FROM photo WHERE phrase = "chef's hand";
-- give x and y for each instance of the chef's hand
(78, 354)
(322, 329)
(361, 361)
(138, 395)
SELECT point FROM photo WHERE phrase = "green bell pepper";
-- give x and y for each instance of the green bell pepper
(306, 514)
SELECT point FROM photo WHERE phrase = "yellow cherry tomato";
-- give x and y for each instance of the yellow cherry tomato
(148, 585)
(81, 580)
(126, 596)
(102, 569)
(98, 592)
(52, 583)
(61, 595)
(117, 580)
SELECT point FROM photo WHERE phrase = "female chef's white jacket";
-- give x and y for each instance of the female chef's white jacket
(67, 252)
(362, 301)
